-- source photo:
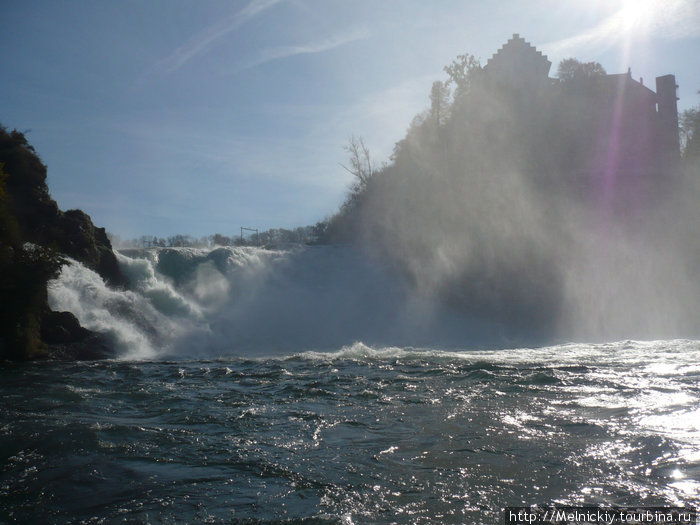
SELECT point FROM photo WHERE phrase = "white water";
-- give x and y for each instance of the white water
(398, 428)
(254, 301)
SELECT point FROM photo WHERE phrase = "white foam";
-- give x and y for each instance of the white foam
(252, 301)
(309, 301)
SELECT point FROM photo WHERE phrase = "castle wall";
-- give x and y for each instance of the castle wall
(606, 133)
(667, 119)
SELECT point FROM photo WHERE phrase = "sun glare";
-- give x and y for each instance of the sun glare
(637, 15)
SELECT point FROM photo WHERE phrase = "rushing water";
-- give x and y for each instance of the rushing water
(360, 435)
(216, 409)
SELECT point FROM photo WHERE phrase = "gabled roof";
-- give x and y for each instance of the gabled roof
(518, 58)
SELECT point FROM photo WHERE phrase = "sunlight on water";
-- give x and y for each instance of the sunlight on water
(363, 434)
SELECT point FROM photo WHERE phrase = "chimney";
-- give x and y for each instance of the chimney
(668, 117)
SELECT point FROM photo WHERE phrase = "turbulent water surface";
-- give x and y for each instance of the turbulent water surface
(359, 435)
(218, 410)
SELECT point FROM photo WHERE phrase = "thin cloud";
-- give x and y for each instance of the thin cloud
(277, 53)
(256, 7)
(209, 36)
(671, 19)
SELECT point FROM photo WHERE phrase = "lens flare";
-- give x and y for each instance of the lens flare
(638, 15)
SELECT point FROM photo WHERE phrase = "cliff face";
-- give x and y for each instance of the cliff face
(34, 235)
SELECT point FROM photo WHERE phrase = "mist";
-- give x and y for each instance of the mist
(250, 301)
(516, 209)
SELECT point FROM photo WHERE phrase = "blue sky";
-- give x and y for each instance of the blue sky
(198, 117)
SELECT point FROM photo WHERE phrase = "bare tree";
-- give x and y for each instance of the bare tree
(360, 163)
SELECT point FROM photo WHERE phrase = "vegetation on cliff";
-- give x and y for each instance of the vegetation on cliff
(690, 138)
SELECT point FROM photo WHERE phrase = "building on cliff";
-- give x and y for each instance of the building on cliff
(622, 128)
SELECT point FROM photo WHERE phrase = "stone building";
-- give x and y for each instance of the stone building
(621, 127)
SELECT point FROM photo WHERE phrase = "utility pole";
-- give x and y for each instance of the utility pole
(257, 235)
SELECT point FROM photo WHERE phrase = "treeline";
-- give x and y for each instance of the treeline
(316, 234)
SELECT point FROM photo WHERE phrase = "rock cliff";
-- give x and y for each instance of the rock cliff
(35, 237)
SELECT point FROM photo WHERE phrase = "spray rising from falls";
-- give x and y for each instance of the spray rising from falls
(140, 321)
(496, 227)
(480, 263)
(523, 209)
(254, 301)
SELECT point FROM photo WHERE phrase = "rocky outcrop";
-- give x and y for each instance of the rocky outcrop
(80, 239)
(66, 339)
(38, 218)
(34, 236)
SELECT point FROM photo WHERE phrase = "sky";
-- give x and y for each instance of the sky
(195, 117)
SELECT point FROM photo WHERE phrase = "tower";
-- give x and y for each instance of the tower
(668, 142)
(518, 63)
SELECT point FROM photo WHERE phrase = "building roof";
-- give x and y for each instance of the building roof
(518, 60)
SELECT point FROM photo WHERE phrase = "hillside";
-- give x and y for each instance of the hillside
(519, 204)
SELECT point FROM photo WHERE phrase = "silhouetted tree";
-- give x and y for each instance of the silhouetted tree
(461, 72)
(147, 241)
(220, 240)
(360, 163)
(180, 241)
(690, 133)
(573, 69)
(439, 103)
(319, 232)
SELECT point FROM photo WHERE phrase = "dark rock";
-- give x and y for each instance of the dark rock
(80, 239)
(94, 346)
(34, 234)
(38, 218)
(67, 340)
(62, 327)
